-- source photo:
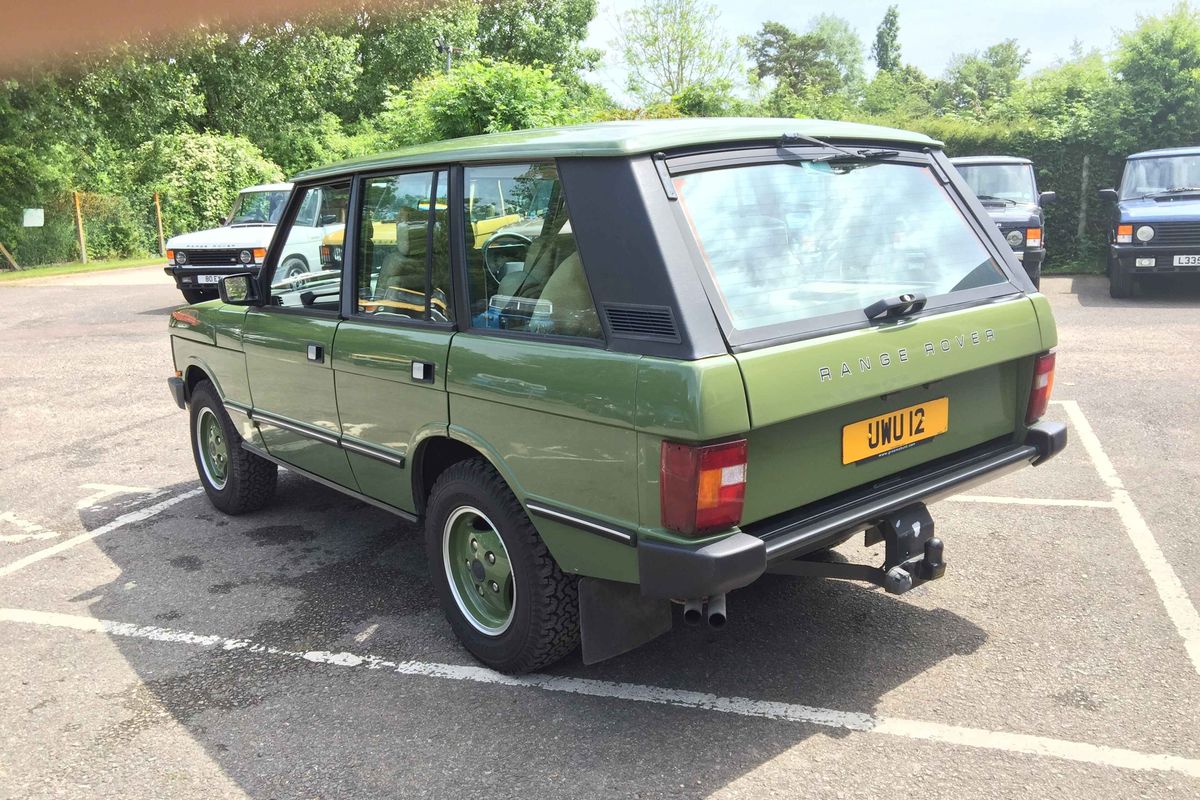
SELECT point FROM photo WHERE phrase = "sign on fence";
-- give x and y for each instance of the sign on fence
(34, 218)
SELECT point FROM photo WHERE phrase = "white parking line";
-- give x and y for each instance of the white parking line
(32, 531)
(119, 522)
(103, 491)
(1170, 589)
(980, 738)
(1030, 501)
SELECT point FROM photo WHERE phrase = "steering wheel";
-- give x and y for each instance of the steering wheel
(495, 249)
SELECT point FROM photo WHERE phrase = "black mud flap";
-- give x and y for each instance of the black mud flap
(614, 618)
(912, 554)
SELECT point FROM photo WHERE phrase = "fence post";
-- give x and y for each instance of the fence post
(1083, 200)
(79, 228)
(162, 245)
(8, 257)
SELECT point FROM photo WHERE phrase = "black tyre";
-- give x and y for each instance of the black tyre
(194, 296)
(293, 267)
(504, 595)
(235, 480)
(1120, 283)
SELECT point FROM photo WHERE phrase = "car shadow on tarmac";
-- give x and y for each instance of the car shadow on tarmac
(1158, 291)
(319, 571)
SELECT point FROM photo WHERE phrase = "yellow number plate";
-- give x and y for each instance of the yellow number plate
(895, 430)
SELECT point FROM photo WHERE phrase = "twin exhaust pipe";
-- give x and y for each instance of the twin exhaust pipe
(712, 610)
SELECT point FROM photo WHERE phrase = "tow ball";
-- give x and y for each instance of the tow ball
(912, 554)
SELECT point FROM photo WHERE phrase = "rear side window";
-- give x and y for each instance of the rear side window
(797, 241)
(523, 268)
(404, 253)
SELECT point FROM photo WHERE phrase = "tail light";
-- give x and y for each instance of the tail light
(1033, 237)
(702, 488)
(1124, 234)
(1043, 385)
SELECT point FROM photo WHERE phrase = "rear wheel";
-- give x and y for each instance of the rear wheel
(1120, 282)
(503, 594)
(235, 480)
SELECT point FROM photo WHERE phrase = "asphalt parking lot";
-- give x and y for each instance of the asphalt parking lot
(154, 648)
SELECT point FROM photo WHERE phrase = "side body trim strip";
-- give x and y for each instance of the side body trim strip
(598, 528)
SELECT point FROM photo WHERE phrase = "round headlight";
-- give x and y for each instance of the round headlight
(245, 256)
(1144, 233)
(180, 257)
(1015, 238)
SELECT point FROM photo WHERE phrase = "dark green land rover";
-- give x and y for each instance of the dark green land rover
(695, 352)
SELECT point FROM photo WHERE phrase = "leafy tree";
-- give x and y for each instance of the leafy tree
(197, 176)
(977, 81)
(903, 93)
(886, 49)
(547, 32)
(670, 45)
(1158, 70)
(843, 47)
(477, 97)
(799, 63)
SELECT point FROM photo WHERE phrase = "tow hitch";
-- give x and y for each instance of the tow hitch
(912, 555)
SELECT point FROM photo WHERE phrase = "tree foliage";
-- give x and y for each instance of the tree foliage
(669, 45)
(977, 81)
(886, 48)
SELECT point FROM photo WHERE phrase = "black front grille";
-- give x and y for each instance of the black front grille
(210, 258)
(641, 322)
(1174, 234)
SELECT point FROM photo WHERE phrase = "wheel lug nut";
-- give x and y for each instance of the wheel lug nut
(491, 558)
(479, 589)
(474, 545)
(495, 586)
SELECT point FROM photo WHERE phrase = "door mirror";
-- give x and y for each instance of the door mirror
(1045, 198)
(328, 219)
(239, 290)
(1108, 194)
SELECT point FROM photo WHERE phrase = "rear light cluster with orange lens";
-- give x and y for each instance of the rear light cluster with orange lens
(1043, 385)
(1033, 237)
(702, 487)
(1124, 234)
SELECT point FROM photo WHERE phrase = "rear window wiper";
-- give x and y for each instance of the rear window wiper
(893, 307)
(842, 154)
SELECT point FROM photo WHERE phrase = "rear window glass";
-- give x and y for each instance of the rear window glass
(794, 241)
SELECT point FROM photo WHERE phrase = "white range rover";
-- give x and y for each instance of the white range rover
(198, 260)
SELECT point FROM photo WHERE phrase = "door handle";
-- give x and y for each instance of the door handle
(422, 371)
(316, 354)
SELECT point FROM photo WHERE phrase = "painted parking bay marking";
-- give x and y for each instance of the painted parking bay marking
(980, 738)
(31, 531)
(120, 522)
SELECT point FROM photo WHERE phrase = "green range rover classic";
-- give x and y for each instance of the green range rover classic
(616, 366)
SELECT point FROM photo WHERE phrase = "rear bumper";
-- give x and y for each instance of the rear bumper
(680, 571)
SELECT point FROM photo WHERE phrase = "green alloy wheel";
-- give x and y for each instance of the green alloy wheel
(213, 447)
(478, 570)
(503, 594)
(235, 479)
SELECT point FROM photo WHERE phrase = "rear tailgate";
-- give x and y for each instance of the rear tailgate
(802, 395)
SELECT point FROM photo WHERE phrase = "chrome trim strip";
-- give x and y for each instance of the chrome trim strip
(371, 451)
(583, 524)
(232, 405)
(295, 427)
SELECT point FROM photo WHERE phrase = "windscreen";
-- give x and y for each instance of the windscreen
(789, 242)
(258, 208)
(1000, 183)
(1150, 176)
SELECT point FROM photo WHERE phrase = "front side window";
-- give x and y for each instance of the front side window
(258, 208)
(1160, 176)
(1000, 183)
(791, 242)
(404, 253)
(524, 270)
(306, 275)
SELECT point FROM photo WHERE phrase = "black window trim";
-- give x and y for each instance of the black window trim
(350, 309)
(279, 238)
(743, 340)
(459, 249)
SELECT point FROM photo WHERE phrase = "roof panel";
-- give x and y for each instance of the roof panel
(616, 139)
